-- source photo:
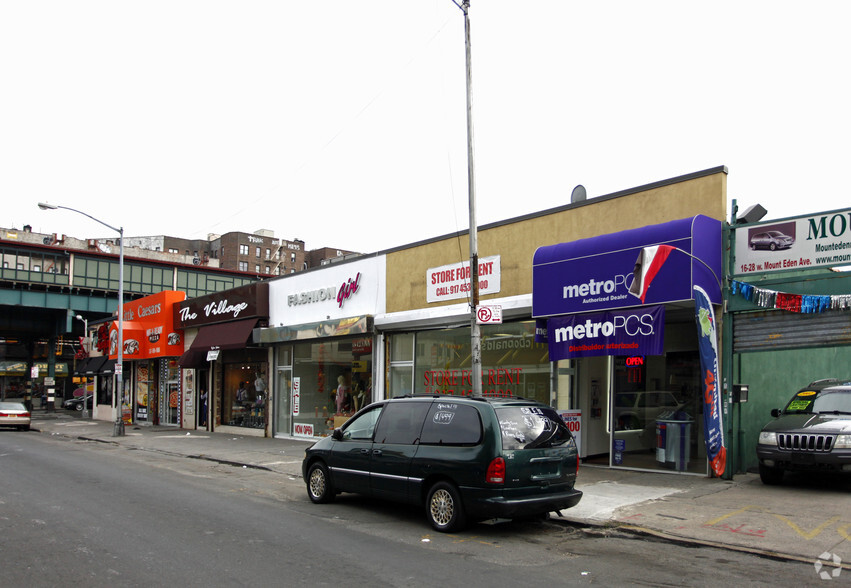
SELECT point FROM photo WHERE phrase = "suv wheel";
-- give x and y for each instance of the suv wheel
(770, 476)
(444, 509)
(319, 487)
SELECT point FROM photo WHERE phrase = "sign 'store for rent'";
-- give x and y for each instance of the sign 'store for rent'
(452, 282)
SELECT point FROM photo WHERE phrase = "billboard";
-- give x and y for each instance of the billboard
(800, 243)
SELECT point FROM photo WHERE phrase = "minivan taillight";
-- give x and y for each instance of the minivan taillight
(496, 471)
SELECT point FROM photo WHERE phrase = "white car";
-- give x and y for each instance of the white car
(14, 414)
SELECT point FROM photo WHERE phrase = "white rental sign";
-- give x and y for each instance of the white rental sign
(452, 282)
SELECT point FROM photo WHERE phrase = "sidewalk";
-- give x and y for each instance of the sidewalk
(802, 520)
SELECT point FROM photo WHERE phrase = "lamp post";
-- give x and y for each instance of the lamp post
(118, 428)
(88, 351)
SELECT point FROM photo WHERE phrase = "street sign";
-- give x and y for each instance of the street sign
(49, 382)
(489, 315)
(212, 355)
(119, 369)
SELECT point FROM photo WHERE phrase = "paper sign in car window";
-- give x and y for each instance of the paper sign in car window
(799, 404)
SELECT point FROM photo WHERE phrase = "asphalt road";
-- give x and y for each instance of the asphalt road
(77, 513)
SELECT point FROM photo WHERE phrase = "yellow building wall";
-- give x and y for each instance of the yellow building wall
(516, 241)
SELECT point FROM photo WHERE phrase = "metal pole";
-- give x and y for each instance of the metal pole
(85, 414)
(475, 332)
(118, 429)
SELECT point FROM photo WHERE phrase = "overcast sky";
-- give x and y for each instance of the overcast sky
(342, 123)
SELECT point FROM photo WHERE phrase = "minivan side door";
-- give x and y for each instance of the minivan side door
(395, 444)
(350, 456)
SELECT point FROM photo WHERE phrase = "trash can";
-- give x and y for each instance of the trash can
(673, 441)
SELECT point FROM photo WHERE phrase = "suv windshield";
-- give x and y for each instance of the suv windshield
(833, 401)
(825, 401)
(529, 427)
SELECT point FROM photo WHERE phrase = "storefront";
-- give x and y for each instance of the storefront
(789, 315)
(225, 375)
(16, 381)
(323, 345)
(619, 316)
(152, 346)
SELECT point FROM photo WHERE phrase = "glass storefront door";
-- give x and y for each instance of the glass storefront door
(169, 397)
(655, 418)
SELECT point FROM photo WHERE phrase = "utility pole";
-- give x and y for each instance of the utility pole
(475, 332)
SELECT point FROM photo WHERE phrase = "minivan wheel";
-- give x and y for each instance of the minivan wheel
(444, 509)
(319, 487)
(770, 476)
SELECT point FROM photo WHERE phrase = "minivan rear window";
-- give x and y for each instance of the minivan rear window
(530, 427)
(449, 423)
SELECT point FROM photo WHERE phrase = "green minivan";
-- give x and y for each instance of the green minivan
(464, 458)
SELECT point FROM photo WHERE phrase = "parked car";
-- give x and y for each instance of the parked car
(812, 433)
(462, 458)
(639, 410)
(15, 414)
(771, 240)
(76, 403)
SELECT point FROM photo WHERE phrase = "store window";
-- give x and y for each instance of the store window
(244, 394)
(145, 390)
(401, 364)
(104, 391)
(334, 379)
(513, 364)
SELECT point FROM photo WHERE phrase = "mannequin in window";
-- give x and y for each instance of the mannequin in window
(342, 392)
(242, 393)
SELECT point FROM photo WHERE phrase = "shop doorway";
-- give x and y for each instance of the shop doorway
(642, 412)
(169, 397)
(202, 399)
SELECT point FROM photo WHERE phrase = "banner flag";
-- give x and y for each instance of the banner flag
(713, 430)
(648, 264)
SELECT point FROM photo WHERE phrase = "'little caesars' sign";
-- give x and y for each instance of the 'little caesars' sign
(452, 282)
(798, 243)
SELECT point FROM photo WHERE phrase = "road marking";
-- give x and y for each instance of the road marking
(801, 532)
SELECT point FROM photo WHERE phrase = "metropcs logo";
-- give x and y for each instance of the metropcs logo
(600, 287)
(628, 324)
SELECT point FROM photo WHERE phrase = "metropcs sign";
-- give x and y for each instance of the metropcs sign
(616, 332)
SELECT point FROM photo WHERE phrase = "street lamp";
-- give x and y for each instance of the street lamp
(88, 351)
(118, 429)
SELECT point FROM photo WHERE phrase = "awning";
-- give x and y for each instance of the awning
(19, 368)
(108, 368)
(193, 359)
(233, 335)
(81, 366)
(356, 325)
(95, 364)
(13, 368)
(597, 273)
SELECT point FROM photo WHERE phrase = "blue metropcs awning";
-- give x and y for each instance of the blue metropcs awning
(582, 290)
(596, 273)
